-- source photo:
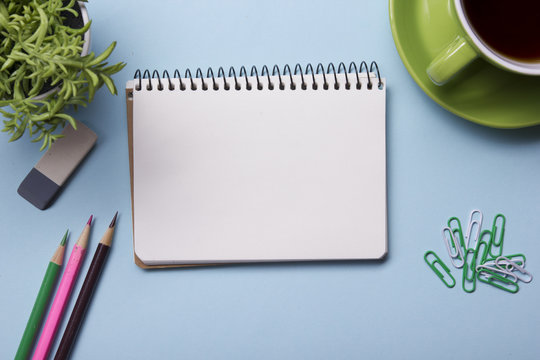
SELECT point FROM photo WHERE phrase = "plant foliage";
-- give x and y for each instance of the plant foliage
(37, 50)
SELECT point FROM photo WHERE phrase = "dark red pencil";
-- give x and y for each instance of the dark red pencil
(87, 289)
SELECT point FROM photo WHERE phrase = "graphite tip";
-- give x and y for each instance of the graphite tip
(113, 222)
(64, 239)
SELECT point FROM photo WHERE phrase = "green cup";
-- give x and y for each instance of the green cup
(467, 46)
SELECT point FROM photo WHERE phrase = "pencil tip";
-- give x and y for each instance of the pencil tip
(90, 220)
(113, 222)
(64, 239)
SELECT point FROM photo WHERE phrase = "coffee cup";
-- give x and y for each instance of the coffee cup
(504, 33)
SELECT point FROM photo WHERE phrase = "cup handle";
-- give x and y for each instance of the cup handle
(451, 60)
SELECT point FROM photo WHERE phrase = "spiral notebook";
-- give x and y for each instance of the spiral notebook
(276, 165)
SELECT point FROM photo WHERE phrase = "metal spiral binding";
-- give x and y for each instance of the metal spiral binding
(285, 72)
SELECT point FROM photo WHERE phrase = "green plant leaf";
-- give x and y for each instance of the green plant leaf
(91, 91)
(103, 56)
(69, 118)
(17, 134)
(94, 79)
(110, 84)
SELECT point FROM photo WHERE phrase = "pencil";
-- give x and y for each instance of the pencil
(62, 295)
(42, 300)
(85, 295)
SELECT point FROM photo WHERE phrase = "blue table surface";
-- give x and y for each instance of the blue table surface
(438, 166)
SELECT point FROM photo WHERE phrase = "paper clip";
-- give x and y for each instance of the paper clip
(454, 250)
(517, 258)
(481, 252)
(469, 271)
(497, 236)
(433, 266)
(499, 270)
(473, 229)
(511, 266)
(494, 279)
(485, 237)
(457, 229)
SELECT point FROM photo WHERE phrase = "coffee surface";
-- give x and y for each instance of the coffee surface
(510, 27)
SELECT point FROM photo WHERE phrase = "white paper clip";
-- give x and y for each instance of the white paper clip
(473, 229)
(454, 250)
(511, 267)
(503, 271)
(517, 258)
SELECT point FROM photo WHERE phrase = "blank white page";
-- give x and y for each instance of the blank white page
(259, 175)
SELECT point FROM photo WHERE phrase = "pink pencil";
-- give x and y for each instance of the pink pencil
(62, 295)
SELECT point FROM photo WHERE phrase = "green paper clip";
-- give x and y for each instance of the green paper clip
(470, 267)
(469, 271)
(481, 252)
(499, 281)
(497, 236)
(433, 266)
(457, 231)
(485, 238)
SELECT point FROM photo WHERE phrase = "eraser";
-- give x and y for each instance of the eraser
(43, 183)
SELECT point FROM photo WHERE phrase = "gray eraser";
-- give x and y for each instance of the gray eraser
(44, 182)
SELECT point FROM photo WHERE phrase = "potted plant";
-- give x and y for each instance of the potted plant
(45, 66)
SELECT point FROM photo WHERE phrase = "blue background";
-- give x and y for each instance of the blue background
(438, 166)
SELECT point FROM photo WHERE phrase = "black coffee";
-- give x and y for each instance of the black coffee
(510, 27)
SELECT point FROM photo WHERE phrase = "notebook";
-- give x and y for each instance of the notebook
(270, 166)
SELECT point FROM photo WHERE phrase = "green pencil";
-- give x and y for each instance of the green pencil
(42, 300)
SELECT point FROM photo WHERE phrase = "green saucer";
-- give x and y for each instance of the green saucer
(480, 93)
